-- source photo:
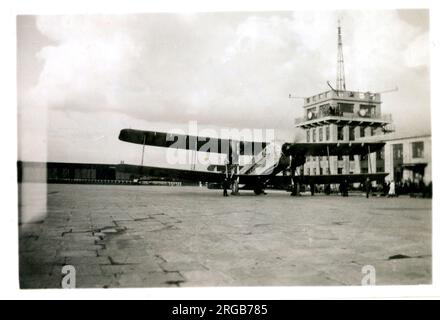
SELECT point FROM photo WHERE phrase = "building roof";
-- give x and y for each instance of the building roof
(396, 136)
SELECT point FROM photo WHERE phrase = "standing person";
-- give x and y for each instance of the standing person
(327, 189)
(386, 188)
(367, 187)
(422, 188)
(392, 192)
(225, 187)
(345, 188)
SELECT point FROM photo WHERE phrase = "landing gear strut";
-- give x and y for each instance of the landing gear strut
(294, 189)
(235, 188)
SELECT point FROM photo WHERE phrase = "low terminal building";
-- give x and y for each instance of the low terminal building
(28, 171)
(87, 173)
(408, 158)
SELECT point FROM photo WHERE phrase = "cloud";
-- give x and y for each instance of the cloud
(224, 69)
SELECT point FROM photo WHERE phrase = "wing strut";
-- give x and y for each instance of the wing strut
(293, 184)
(143, 150)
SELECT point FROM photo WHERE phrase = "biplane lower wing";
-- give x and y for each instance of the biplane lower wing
(175, 174)
(172, 174)
(215, 176)
(326, 179)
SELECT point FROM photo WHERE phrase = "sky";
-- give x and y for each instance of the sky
(83, 78)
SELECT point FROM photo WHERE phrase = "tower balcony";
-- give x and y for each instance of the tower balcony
(351, 119)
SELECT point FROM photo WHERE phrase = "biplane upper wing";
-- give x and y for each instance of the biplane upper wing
(331, 148)
(188, 142)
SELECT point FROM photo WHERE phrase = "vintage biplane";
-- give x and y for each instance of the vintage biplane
(273, 163)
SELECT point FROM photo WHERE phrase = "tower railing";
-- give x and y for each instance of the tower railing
(367, 97)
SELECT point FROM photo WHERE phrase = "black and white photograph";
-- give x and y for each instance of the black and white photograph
(276, 148)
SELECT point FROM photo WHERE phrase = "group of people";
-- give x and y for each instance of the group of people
(389, 189)
(415, 187)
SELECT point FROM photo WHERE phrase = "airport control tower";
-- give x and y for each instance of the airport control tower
(343, 115)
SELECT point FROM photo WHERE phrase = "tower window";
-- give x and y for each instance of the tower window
(340, 133)
(308, 135)
(346, 107)
(314, 135)
(351, 133)
(397, 151)
(320, 134)
(380, 154)
(362, 132)
(327, 133)
(417, 149)
(367, 110)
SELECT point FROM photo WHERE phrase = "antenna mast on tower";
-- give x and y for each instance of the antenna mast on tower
(340, 77)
